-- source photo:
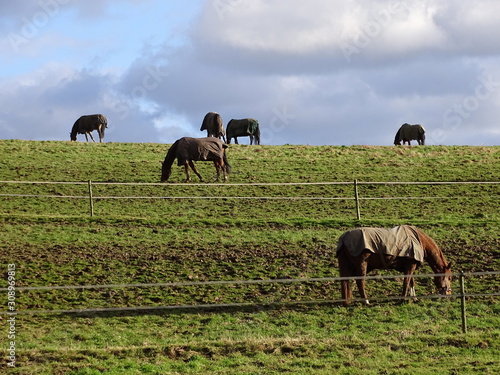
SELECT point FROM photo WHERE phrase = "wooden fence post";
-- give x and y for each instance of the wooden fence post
(91, 200)
(356, 197)
(462, 295)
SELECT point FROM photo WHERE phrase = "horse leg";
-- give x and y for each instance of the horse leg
(218, 168)
(91, 136)
(412, 289)
(361, 271)
(345, 271)
(409, 282)
(222, 167)
(236, 140)
(191, 164)
(186, 170)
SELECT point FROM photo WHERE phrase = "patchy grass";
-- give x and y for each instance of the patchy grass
(55, 242)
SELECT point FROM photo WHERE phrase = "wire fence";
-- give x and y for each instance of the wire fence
(197, 284)
(355, 195)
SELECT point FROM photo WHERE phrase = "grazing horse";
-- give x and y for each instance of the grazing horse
(247, 127)
(407, 133)
(402, 248)
(212, 123)
(87, 124)
(187, 150)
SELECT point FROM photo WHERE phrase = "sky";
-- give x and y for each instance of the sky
(316, 72)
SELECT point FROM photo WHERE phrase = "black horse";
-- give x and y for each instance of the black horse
(87, 124)
(407, 133)
(187, 150)
(247, 127)
(212, 123)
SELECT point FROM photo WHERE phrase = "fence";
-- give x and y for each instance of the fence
(356, 196)
(462, 294)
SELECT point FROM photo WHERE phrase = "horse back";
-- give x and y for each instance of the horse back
(242, 127)
(89, 123)
(199, 149)
(401, 241)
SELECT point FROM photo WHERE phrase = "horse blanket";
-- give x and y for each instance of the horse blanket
(411, 131)
(400, 241)
(247, 126)
(209, 148)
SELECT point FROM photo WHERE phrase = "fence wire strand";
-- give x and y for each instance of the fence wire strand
(242, 282)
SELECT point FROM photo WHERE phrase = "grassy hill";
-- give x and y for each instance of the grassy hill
(54, 241)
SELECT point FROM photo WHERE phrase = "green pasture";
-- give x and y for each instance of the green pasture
(243, 230)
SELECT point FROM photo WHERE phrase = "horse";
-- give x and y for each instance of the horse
(243, 128)
(187, 150)
(212, 123)
(407, 133)
(402, 248)
(87, 124)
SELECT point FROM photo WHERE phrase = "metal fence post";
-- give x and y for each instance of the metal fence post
(91, 200)
(462, 295)
(356, 197)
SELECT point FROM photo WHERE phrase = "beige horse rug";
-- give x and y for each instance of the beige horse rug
(400, 241)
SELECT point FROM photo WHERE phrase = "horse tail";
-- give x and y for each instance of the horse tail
(166, 168)
(103, 120)
(227, 166)
(74, 130)
(257, 134)
(422, 134)
(219, 127)
(102, 125)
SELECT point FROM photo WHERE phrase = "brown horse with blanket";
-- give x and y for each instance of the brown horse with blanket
(187, 150)
(87, 124)
(402, 248)
(408, 133)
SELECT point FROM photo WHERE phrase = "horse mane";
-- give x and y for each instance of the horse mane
(74, 130)
(169, 160)
(397, 138)
(432, 253)
(171, 154)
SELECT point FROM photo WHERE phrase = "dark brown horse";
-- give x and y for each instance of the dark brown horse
(408, 133)
(212, 123)
(87, 124)
(247, 127)
(401, 248)
(187, 150)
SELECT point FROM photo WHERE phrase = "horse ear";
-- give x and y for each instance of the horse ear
(449, 265)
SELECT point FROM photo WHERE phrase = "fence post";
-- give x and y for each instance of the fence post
(356, 197)
(462, 295)
(91, 200)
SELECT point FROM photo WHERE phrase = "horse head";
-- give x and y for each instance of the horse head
(443, 282)
(165, 171)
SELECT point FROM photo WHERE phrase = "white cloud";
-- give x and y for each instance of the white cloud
(283, 62)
